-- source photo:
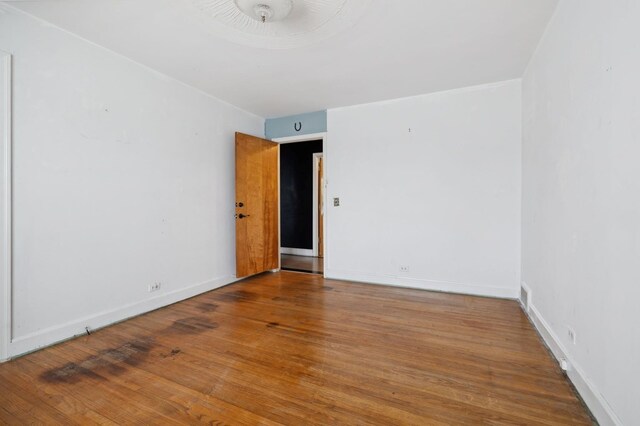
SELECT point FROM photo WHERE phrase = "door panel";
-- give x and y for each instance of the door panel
(257, 242)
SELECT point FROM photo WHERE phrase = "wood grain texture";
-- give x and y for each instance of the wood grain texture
(257, 240)
(294, 349)
(309, 264)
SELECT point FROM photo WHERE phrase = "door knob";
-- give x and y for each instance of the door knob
(240, 204)
(242, 216)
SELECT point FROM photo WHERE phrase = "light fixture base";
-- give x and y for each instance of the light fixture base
(265, 10)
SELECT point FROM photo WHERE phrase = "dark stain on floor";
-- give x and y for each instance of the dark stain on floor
(192, 325)
(107, 362)
(115, 361)
(273, 324)
(207, 307)
(237, 296)
(173, 353)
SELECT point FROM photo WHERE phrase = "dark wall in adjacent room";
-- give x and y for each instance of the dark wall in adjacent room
(296, 193)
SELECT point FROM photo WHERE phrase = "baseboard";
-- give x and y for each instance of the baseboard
(58, 333)
(526, 297)
(296, 251)
(424, 284)
(599, 407)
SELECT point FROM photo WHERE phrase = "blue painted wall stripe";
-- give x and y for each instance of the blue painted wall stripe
(300, 124)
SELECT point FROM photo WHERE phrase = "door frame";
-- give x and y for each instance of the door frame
(316, 220)
(6, 224)
(307, 138)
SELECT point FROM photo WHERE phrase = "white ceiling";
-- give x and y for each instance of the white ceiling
(397, 49)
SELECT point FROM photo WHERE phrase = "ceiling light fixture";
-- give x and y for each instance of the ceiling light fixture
(288, 24)
(265, 10)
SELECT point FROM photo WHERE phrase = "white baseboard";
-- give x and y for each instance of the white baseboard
(524, 288)
(58, 333)
(599, 407)
(424, 284)
(296, 251)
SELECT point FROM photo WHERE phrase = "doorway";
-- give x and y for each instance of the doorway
(302, 224)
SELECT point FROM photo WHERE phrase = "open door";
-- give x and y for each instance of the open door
(257, 242)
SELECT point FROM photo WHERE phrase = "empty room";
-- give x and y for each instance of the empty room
(320, 212)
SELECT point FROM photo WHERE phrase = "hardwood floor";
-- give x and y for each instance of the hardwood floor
(296, 349)
(310, 264)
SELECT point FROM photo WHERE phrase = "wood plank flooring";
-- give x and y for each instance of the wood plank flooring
(310, 264)
(296, 349)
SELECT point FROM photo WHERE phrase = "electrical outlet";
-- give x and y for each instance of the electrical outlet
(572, 335)
(154, 287)
(404, 268)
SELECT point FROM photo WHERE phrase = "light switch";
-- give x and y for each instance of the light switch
(336, 202)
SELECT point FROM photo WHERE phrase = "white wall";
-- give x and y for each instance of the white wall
(122, 177)
(442, 198)
(5, 197)
(581, 198)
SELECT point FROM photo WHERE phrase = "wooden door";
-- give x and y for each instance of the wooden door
(256, 205)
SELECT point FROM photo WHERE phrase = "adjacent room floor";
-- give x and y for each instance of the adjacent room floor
(314, 265)
(287, 348)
